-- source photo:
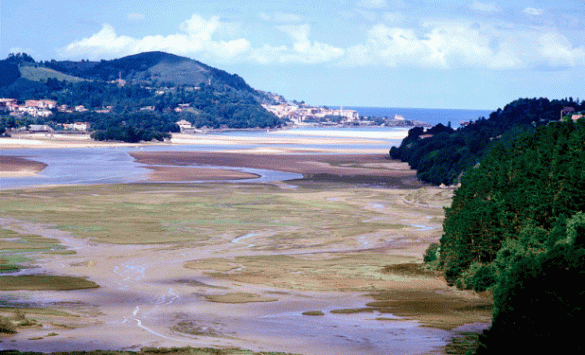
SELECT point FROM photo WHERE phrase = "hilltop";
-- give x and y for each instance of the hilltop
(143, 95)
(152, 68)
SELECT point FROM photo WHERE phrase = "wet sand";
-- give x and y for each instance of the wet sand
(324, 166)
(162, 295)
(19, 167)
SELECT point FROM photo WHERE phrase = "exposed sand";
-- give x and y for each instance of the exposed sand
(211, 293)
(19, 167)
(364, 166)
(56, 140)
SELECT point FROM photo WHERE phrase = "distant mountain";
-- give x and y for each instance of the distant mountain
(152, 68)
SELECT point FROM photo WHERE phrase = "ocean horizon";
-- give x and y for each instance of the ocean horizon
(431, 116)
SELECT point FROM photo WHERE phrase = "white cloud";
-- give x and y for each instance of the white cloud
(373, 4)
(105, 42)
(303, 50)
(532, 11)
(557, 51)
(196, 37)
(434, 44)
(464, 45)
(487, 8)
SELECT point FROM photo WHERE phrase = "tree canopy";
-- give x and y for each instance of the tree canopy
(440, 154)
(516, 227)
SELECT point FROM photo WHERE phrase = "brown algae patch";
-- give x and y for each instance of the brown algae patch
(239, 297)
(440, 308)
(351, 272)
(313, 313)
(44, 282)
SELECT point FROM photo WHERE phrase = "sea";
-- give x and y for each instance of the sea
(431, 116)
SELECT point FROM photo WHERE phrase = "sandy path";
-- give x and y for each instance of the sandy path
(145, 292)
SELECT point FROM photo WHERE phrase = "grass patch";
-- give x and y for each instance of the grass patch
(239, 297)
(146, 214)
(353, 310)
(464, 343)
(313, 313)
(410, 269)
(44, 283)
(36, 73)
(444, 309)
(35, 312)
(189, 327)
(351, 272)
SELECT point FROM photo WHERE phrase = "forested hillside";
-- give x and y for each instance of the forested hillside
(117, 93)
(516, 227)
(441, 154)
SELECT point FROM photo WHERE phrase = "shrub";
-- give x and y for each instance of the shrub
(6, 326)
(432, 253)
(478, 277)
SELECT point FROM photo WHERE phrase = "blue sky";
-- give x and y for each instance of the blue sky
(384, 53)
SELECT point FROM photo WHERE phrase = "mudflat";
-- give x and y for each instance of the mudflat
(370, 167)
(326, 264)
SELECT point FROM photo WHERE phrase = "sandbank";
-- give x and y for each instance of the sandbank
(372, 167)
(19, 167)
(161, 174)
(338, 141)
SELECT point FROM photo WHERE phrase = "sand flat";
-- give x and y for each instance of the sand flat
(19, 167)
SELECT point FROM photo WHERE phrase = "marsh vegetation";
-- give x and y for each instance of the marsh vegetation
(240, 252)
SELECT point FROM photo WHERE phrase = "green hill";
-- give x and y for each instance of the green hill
(157, 89)
(39, 73)
(154, 69)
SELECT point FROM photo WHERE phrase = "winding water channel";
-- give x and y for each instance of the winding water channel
(74, 166)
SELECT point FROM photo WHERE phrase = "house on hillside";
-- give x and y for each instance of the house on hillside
(41, 104)
(567, 111)
(35, 128)
(8, 104)
(185, 126)
(81, 126)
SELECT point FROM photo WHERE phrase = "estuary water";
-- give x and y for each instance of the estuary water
(109, 165)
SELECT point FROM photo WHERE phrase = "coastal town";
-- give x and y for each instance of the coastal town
(304, 113)
(292, 111)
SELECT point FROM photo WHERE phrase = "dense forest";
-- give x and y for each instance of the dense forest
(441, 154)
(516, 227)
(157, 81)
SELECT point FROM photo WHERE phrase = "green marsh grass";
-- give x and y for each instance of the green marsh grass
(44, 282)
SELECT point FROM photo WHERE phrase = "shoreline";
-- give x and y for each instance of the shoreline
(273, 137)
(286, 151)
